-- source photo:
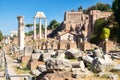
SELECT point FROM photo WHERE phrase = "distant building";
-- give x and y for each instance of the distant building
(66, 36)
(82, 24)
(97, 14)
(13, 33)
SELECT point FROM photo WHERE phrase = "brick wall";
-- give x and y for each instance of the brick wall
(108, 46)
(25, 59)
(33, 65)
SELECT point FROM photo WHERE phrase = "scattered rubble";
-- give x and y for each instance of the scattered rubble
(73, 53)
(57, 64)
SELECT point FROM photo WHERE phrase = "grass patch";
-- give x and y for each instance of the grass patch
(72, 60)
(24, 69)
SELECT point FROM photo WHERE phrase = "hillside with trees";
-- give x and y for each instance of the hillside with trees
(113, 23)
(98, 6)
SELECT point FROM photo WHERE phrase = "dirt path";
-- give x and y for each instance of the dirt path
(11, 63)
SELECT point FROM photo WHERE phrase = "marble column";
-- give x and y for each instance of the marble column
(40, 29)
(45, 28)
(21, 33)
(34, 28)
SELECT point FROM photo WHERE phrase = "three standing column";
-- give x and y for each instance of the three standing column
(40, 28)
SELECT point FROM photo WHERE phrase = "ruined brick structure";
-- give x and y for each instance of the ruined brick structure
(94, 15)
(78, 20)
(79, 26)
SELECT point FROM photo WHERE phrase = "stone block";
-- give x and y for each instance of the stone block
(33, 65)
(42, 68)
(36, 56)
(45, 56)
(57, 64)
(98, 65)
(108, 46)
(79, 64)
(88, 59)
(73, 53)
(36, 72)
(98, 53)
(25, 59)
(28, 51)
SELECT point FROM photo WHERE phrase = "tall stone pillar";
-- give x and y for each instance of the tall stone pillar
(21, 34)
(45, 28)
(40, 29)
(34, 28)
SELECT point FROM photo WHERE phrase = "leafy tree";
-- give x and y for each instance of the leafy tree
(1, 36)
(80, 8)
(98, 27)
(98, 6)
(29, 26)
(116, 10)
(53, 24)
(103, 7)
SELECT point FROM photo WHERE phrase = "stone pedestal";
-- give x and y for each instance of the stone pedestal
(108, 46)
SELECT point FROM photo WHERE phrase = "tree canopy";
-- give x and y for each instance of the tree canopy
(1, 36)
(116, 10)
(53, 24)
(98, 27)
(98, 6)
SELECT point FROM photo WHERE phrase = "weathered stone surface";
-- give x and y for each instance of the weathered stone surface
(114, 77)
(36, 51)
(79, 64)
(110, 75)
(108, 61)
(101, 74)
(52, 52)
(73, 53)
(78, 73)
(36, 56)
(76, 69)
(28, 51)
(82, 65)
(88, 59)
(117, 67)
(36, 72)
(57, 64)
(45, 56)
(42, 68)
(98, 65)
(33, 64)
(98, 53)
(61, 55)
